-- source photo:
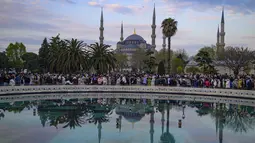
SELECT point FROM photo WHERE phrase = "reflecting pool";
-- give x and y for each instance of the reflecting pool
(83, 119)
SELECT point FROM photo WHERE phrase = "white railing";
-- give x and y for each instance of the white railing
(11, 90)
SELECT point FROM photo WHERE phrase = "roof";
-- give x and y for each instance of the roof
(192, 63)
(131, 46)
(134, 37)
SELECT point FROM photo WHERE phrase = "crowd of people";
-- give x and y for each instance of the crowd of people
(187, 80)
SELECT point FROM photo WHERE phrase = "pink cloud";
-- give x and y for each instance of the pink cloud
(117, 7)
(93, 3)
(201, 18)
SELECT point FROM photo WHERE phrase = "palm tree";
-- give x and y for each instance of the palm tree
(64, 53)
(75, 117)
(101, 57)
(99, 114)
(73, 57)
(55, 47)
(169, 29)
(167, 137)
(71, 114)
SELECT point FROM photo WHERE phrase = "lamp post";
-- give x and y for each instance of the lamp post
(183, 111)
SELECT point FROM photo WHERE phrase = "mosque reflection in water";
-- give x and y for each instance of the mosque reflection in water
(74, 113)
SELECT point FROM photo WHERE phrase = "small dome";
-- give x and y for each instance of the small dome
(135, 37)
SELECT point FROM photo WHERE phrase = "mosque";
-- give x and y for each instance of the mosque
(220, 45)
(129, 45)
(133, 42)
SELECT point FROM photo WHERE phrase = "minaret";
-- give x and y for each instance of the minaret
(218, 37)
(163, 119)
(222, 30)
(218, 42)
(101, 38)
(121, 32)
(153, 26)
(152, 126)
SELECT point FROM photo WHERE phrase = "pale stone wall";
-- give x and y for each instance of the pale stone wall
(10, 90)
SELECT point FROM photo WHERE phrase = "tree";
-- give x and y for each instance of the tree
(138, 58)
(101, 57)
(121, 61)
(73, 56)
(177, 62)
(14, 53)
(150, 62)
(237, 58)
(31, 61)
(192, 70)
(64, 56)
(56, 46)
(182, 54)
(179, 69)
(167, 137)
(3, 60)
(161, 68)
(43, 55)
(161, 55)
(210, 51)
(205, 62)
(169, 29)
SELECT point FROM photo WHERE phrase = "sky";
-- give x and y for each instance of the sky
(30, 21)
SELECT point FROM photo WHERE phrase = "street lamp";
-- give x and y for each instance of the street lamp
(183, 113)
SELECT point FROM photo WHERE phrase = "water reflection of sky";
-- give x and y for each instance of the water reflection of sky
(25, 128)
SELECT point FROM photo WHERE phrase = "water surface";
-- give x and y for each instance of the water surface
(120, 120)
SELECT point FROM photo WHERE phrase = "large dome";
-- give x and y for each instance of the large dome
(135, 37)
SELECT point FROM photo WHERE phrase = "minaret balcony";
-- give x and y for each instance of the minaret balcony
(153, 26)
(222, 44)
(153, 36)
(222, 33)
(101, 28)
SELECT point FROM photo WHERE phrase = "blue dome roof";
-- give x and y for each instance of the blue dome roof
(134, 37)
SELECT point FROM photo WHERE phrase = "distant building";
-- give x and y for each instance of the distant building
(130, 45)
(135, 41)
(220, 45)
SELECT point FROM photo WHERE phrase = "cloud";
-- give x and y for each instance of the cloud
(66, 1)
(94, 3)
(236, 6)
(117, 7)
(29, 23)
(202, 18)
